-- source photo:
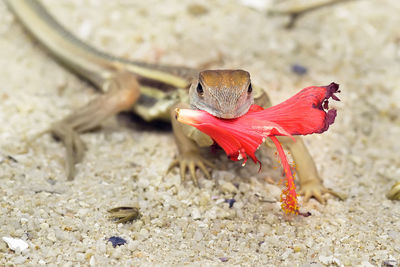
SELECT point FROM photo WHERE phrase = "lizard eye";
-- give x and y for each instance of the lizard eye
(250, 89)
(199, 89)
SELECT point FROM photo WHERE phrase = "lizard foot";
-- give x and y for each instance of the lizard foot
(124, 214)
(191, 161)
(394, 193)
(315, 189)
(73, 143)
(82, 120)
(122, 93)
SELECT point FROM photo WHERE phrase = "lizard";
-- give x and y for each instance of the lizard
(153, 92)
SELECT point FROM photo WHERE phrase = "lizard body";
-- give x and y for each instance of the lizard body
(153, 92)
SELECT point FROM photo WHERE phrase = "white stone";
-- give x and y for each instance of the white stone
(44, 226)
(196, 215)
(15, 244)
(92, 261)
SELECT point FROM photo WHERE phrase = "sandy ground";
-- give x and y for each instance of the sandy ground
(355, 44)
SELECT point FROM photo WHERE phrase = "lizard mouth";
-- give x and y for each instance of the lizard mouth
(225, 114)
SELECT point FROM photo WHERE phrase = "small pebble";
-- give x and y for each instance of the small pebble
(223, 259)
(92, 261)
(197, 10)
(230, 201)
(15, 244)
(389, 263)
(116, 241)
(296, 248)
(44, 226)
(198, 236)
(228, 187)
(299, 69)
(196, 214)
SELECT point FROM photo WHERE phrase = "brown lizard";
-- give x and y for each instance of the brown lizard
(152, 92)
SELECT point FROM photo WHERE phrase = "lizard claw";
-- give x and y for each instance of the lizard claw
(316, 189)
(191, 161)
(124, 214)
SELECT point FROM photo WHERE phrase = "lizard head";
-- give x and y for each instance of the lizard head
(226, 94)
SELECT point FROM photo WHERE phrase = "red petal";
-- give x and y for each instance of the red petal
(237, 137)
(303, 113)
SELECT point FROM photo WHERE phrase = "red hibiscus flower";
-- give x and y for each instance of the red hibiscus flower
(307, 112)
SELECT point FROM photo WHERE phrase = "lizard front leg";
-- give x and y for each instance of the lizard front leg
(122, 92)
(188, 140)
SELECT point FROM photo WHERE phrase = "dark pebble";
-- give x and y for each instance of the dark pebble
(389, 263)
(299, 69)
(223, 259)
(116, 241)
(230, 201)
